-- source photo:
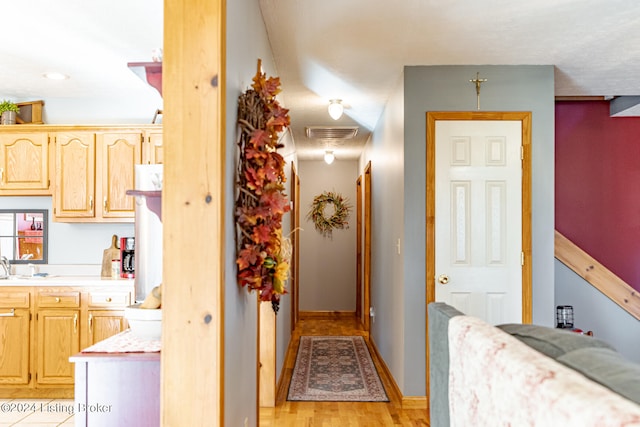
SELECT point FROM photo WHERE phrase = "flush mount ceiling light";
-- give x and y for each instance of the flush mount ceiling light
(55, 76)
(335, 108)
(329, 157)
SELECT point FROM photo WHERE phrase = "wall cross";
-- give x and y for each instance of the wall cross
(478, 81)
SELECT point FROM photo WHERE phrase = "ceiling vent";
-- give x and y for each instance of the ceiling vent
(333, 132)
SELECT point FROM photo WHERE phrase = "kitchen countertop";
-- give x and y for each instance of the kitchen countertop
(124, 342)
(62, 280)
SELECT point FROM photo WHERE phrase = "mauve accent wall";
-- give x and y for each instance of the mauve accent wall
(597, 190)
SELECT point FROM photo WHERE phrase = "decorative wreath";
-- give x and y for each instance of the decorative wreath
(263, 255)
(339, 218)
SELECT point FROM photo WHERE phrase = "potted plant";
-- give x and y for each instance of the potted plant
(8, 110)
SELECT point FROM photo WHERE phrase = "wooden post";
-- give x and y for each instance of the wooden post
(193, 214)
(267, 352)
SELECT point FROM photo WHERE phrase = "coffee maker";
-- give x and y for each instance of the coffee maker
(127, 257)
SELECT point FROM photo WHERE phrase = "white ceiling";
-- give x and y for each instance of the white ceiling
(90, 41)
(354, 50)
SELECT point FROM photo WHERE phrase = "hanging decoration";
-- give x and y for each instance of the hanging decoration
(323, 223)
(263, 255)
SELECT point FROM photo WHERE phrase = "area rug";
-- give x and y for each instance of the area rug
(335, 368)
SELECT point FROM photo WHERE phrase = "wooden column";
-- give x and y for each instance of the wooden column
(192, 213)
(267, 354)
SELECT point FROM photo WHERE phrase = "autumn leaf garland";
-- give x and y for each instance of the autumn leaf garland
(262, 257)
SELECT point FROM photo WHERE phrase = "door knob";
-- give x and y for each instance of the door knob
(443, 279)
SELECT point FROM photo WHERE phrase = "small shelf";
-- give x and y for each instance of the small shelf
(153, 199)
(150, 72)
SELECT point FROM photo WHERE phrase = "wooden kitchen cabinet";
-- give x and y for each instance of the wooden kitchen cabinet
(15, 330)
(93, 172)
(58, 334)
(152, 149)
(24, 163)
(41, 327)
(103, 324)
(105, 316)
(88, 169)
(120, 152)
(74, 195)
(58, 339)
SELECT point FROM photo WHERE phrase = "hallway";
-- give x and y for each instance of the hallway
(342, 414)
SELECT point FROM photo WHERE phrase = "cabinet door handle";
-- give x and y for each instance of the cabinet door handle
(108, 299)
(12, 313)
(57, 299)
(91, 203)
(90, 323)
(75, 323)
(106, 209)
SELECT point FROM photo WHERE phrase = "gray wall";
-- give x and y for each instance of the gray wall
(246, 42)
(385, 150)
(327, 265)
(447, 88)
(71, 243)
(593, 311)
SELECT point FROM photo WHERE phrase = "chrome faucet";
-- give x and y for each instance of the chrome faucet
(6, 266)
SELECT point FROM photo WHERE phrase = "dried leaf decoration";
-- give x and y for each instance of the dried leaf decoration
(324, 224)
(262, 253)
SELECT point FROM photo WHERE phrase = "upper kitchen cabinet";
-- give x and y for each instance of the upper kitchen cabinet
(24, 162)
(87, 169)
(152, 150)
(94, 170)
(74, 195)
(120, 152)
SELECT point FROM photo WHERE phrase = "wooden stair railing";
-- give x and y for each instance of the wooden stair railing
(597, 275)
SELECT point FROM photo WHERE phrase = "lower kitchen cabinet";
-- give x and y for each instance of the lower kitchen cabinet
(58, 339)
(103, 324)
(41, 327)
(15, 330)
(105, 314)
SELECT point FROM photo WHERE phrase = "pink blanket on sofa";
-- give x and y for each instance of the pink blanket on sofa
(495, 380)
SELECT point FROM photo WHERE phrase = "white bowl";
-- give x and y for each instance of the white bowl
(145, 323)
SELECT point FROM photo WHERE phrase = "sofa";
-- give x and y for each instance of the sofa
(525, 375)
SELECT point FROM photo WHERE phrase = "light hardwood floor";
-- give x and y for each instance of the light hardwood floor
(342, 414)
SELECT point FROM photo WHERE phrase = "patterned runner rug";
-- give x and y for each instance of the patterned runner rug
(335, 368)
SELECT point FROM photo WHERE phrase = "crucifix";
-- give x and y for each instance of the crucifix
(478, 81)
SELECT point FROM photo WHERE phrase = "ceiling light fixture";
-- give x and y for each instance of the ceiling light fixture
(55, 76)
(335, 108)
(329, 157)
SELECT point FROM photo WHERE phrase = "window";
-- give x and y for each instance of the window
(23, 235)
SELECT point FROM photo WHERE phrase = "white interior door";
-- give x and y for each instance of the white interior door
(478, 218)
